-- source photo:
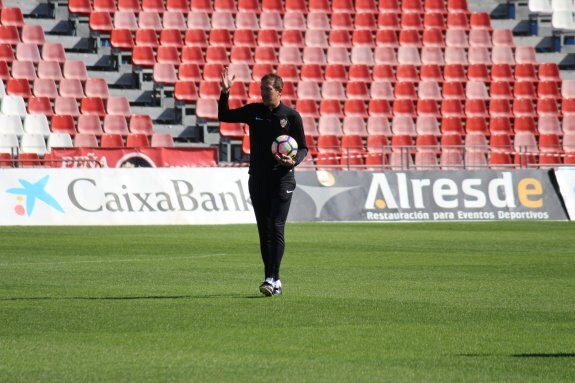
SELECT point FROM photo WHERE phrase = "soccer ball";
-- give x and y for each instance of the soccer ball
(286, 145)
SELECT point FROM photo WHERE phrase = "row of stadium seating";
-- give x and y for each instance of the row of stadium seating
(42, 144)
(106, 20)
(450, 38)
(426, 151)
(303, 6)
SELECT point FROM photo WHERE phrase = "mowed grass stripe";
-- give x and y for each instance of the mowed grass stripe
(489, 301)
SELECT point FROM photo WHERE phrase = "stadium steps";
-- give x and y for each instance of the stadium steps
(80, 45)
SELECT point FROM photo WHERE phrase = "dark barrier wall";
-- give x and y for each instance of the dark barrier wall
(426, 196)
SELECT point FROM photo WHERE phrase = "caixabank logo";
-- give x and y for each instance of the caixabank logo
(29, 193)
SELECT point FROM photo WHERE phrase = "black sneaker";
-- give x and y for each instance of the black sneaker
(267, 288)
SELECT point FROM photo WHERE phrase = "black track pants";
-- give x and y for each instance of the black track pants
(271, 199)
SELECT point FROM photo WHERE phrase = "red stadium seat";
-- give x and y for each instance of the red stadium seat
(109, 140)
(40, 105)
(185, 91)
(141, 124)
(115, 125)
(162, 140)
(137, 141)
(63, 124)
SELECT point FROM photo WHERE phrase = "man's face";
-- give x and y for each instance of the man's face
(270, 96)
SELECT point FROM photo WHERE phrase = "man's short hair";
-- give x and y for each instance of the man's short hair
(276, 80)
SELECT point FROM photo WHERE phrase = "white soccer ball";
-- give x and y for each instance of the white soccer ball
(285, 145)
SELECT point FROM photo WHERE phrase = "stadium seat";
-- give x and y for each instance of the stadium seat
(75, 69)
(91, 105)
(330, 125)
(354, 126)
(196, 38)
(13, 16)
(223, 20)
(429, 90)
(36, 124)
(90, 124)
(378, 125)
(427, 108)
(150, 20)
(162, 140)
(427, 125)
(185, 91)
(59, 140)
(11, 124)
(329, 144)
(137, 141)
(333, 90)
(201, 6)
(168, 55)
(18, 87)
(143, 56)
(355, 108)
(9, 144)
(309, 72)
(295, 21)
(307, 108)
(338, 55)
(43, 87)
(403, 126)
(407, 73)
(49, 70)
(549, 125)
(380, 108)
(177, 6)
(174, 20)
(96, 87)
(318, 21)
(199, 21)
(271, 20)
(71, 88)
(330, 108)
(452, 126)
(227, 6)
(309, 90)
(165, 74)
(501, 90)
(63, 124)
(357, 72)
(13, 105)
(549, 72)
(33, 143)
(114, 124)
(432, 55)
(207, 108)
(526, 149)
(40, 105)
(118, 105)
(111, 141)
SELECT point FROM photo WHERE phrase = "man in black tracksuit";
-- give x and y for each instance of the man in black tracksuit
(272, 179)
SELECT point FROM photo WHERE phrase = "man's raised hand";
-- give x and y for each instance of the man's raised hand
(227, 81)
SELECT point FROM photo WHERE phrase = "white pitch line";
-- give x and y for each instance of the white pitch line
(114, 260)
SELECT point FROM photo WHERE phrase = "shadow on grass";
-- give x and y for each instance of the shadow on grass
(209, 296)
(542, 355)
(527, 355)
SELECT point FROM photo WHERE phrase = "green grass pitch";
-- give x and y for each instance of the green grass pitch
(420, 302)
